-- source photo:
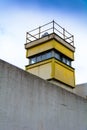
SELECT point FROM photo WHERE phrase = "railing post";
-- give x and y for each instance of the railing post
(64, 33)
(73, 40)
(39, 31)
(53, 26)
(26, 36)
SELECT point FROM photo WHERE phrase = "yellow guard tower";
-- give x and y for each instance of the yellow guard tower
(50, 51)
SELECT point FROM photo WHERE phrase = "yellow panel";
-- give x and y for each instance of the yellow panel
(39, 48)
(43, 70)
(50, 45)
(34, 71)
(64, 50)
(64, 74)
(53, 69)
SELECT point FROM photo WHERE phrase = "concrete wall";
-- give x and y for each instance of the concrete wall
(30, 103)
(81, 89)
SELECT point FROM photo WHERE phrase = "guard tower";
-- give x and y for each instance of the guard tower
(50, 51)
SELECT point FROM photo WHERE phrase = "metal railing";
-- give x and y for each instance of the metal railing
(49, 28)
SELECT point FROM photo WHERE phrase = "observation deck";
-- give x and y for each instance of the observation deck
(48, 29)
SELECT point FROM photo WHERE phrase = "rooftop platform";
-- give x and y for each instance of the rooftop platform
(48, 29)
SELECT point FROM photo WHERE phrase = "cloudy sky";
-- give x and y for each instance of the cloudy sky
(19, 16)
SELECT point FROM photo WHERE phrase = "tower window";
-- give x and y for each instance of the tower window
(43, 56)
(33, 60)
(64, 60)
(50, 54)
(39, 58)
(68, 62)
(57, 56)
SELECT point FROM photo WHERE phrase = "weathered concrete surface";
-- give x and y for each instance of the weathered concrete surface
(30, 103)
(81, 89)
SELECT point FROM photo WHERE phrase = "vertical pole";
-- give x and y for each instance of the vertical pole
(73, 40)
(53, 26)
(64, 33)
(26, 36)
(39, 31)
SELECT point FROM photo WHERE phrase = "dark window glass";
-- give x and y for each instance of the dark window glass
(48, 55)
(38, 58)
(68, 62)
(43, 56)
(30, 61)
(57, 56)
(64, 60)
(33, 60)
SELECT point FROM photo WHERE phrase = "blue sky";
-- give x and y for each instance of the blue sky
(73, 6)
(19, 16)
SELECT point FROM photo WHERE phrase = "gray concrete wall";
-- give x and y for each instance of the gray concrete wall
(30, 103)
(81, 89)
